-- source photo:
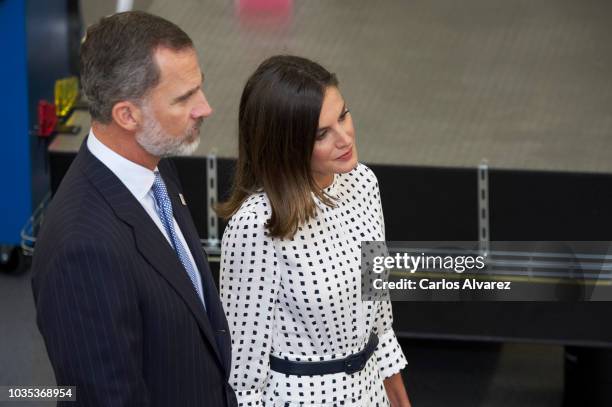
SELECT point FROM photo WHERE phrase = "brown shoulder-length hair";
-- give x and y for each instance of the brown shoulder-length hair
(277, 126)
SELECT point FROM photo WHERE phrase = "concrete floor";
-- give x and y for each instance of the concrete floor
(23, 358)
(523, 84)
(470, 374)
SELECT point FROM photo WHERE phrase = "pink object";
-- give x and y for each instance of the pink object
(265, 6)
(264, 13)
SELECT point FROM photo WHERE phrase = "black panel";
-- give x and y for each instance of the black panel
(567, 323)
(550, 206)
(428, 203)
(192, 174)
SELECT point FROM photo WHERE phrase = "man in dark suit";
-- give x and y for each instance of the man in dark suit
(125, 298)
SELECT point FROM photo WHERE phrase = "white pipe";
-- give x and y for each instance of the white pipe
(124, 5)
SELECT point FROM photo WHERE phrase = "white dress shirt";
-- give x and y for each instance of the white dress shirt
(139, 181)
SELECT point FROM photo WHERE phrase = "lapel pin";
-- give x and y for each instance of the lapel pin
(182, 199)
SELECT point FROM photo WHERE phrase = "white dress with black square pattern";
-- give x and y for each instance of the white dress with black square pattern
(301, 299)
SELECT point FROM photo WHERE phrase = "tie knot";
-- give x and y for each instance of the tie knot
(161, 194)
(158, 185)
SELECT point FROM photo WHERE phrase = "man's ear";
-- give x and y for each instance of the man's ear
(127, 115)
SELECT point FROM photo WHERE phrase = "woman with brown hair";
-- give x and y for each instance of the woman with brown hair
(290, 280)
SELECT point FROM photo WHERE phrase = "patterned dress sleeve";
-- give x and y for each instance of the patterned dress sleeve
(249, 280)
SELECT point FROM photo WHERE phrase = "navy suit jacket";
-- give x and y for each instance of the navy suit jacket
(118, 313)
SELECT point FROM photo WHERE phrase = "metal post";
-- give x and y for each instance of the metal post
(483, 207)
(211, 188)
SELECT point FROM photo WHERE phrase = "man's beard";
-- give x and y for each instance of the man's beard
(157, 142)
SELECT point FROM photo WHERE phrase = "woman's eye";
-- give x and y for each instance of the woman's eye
(343, 115)
(321, 135)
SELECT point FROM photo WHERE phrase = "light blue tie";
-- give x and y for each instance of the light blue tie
(164, 210)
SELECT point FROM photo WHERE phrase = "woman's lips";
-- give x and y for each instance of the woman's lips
(346, 156)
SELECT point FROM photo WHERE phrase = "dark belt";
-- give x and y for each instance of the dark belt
(349, 365)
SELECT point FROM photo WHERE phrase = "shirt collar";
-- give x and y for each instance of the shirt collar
(137, 179)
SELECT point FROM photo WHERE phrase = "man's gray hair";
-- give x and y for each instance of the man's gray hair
(117, 59)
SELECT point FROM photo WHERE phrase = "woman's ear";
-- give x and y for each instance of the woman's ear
(127, 115)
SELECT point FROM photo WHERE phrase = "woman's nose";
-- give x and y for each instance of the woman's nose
(344, 137)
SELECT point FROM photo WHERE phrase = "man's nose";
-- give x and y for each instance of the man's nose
(202, 108)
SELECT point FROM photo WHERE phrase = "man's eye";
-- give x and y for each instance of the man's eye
(181, 100)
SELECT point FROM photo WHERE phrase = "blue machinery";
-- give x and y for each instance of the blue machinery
(15, 168)
(35, 40)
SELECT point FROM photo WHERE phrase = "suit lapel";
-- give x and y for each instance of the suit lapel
(149, 240)
(213, 302)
